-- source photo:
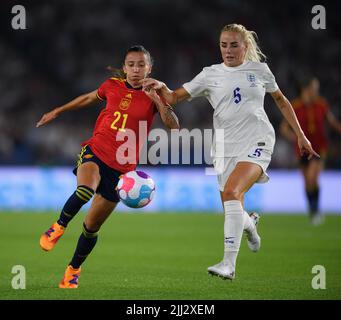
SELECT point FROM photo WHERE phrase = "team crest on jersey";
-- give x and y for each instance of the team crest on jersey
(251, 78)
(125, 102)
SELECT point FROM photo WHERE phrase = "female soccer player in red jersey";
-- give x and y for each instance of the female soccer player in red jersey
(102, 159)
(312, 112)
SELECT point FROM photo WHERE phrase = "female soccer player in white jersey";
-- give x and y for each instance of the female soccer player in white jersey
(235, 88)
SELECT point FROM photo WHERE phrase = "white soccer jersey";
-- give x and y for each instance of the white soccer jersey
(237, 97)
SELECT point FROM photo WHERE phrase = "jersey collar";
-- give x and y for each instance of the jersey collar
(235, 68)
(130, 87)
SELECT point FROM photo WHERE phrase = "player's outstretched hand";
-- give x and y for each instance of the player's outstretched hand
(151, 93)
(47, 117)
(148, 83)
(306, 148)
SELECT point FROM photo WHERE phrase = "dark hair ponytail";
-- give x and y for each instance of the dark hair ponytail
(119, 73)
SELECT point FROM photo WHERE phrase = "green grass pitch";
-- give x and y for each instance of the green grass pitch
(165, 256)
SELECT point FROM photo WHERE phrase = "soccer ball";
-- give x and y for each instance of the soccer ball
(136, 189)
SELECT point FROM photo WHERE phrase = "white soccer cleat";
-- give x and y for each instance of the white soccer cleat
(253, 239)
(221, 270)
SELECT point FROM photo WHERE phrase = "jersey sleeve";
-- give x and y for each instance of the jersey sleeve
(101, 91)
(269, 80)
(197, 86)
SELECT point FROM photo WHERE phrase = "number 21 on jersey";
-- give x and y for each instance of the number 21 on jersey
(118, 116)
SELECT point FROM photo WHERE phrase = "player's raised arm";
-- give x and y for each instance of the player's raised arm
(172, 97)
(167, 114)
(82, 101)
(334, 122)
(288, 112)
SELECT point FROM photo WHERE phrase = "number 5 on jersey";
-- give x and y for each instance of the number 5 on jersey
(118, 116)
(256, 154)
(236, 95)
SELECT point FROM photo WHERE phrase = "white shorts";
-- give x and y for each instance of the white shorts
(225, 166)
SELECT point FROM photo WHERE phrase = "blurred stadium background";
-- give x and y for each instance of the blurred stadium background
(66, 48)
(63, 53)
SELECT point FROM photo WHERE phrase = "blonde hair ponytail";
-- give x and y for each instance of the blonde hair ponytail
(253, 52)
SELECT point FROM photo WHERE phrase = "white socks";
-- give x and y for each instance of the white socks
(233, 230)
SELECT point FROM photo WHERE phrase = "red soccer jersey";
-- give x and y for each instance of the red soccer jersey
(122, 127)
(311, 118)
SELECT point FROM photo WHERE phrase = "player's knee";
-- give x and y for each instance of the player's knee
(84, 193)
(311, 182)
(231, 193)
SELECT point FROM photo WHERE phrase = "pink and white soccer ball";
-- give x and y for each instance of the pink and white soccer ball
(136, 189)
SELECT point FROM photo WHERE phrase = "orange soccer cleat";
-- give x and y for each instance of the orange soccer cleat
(70, 280)
(51, 236)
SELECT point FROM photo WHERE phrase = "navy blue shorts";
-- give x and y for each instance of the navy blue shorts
(109, 176)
